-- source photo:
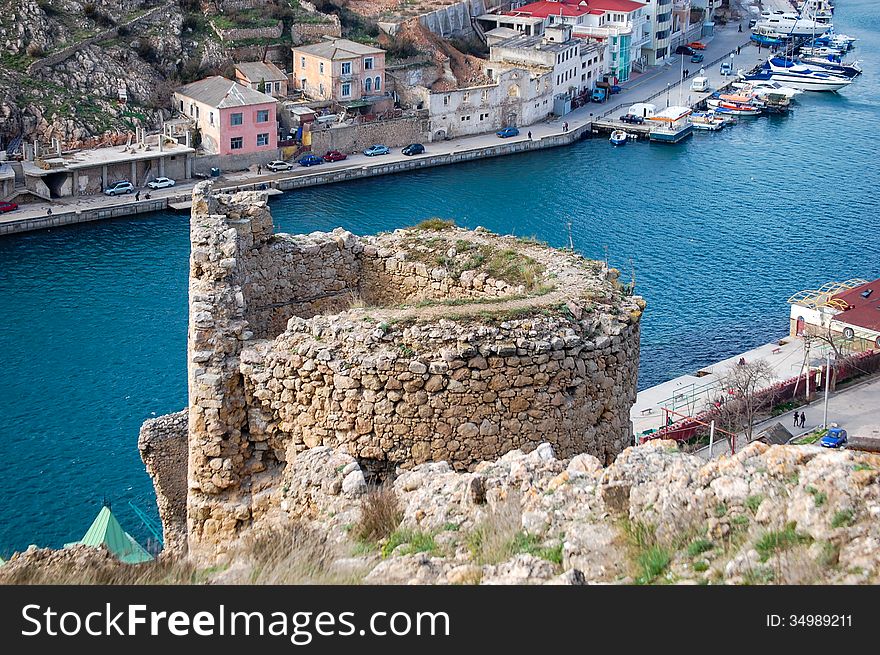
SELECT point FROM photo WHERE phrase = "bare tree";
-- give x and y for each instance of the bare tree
(743, 394)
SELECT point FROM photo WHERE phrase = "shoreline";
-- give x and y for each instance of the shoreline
(547, 134)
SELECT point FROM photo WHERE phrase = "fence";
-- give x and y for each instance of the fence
(796, 387)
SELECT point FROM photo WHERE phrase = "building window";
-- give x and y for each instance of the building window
(321, 68)
(378, 83)
(368, 84)
(485, 95)
(263, 116)
(346, 68)
(368, 63)
(236, 143)
(445, 100)
(211, 118)
(465, 96)
(262, 140)
(346, 90)
(236, 119)
(277, 87)
(321, 90)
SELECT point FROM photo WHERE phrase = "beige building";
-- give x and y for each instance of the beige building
(254, 74)
(339, 69)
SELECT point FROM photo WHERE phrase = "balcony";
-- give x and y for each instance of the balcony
(347, 77)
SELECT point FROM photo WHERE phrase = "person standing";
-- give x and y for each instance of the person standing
(137, 196)
(797, 418)
(530, 135)
(803, 419)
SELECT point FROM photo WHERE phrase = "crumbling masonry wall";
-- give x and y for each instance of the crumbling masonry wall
(419, 345)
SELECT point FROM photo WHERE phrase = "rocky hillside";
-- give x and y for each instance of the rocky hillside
(782, 514)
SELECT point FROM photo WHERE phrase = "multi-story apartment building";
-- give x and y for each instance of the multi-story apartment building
(339, 69)
(659, 15)
(623, 25)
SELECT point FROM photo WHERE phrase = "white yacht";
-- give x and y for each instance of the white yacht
(791, 24)
(799, 76)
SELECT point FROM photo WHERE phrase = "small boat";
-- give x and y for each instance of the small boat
(735, 106)
(619, 138)
(821, 51)
(761, 88)
(706, 120)
(799, 76)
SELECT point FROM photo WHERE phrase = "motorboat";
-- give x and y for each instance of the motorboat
(799, 76)
(761, 88)
(834, 64)
(820, 51)
(792, 24)
(619, 138)
(766, 40)
(736, 104)
(706, 120)
(737, 110)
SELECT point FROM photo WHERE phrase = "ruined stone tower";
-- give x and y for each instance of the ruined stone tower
(434, 343)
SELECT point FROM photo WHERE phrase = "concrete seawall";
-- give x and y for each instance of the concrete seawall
(61, 218)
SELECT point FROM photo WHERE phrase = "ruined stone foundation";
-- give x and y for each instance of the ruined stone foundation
(426, 344)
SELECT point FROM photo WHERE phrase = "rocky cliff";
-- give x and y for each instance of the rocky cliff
(781, 514)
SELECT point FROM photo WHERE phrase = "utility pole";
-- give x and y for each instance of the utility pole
(711, 437)
(827, 387)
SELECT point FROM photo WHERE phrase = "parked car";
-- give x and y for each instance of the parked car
(505, 132)
(413, 149)
(835, 438)
(684, 50)
(335, 155)
(378, 149)
(632, 119)
(279, 165)
(161, 183)
(7, 207)
(118, 188)
(726, 68)
(310, 160)
(615, 89)
(697, 57)
(696, 45)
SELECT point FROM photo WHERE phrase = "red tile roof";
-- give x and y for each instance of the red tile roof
(625, 6)
(548, 8)
(861, 312)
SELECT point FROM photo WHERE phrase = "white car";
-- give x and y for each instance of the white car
(279, 165)
(161, 183)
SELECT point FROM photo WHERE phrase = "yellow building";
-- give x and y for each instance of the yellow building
(339, 69)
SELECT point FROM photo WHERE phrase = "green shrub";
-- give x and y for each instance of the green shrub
(775, 541)
(843, 518)
(699, 546)
(653, 563)
(414, 541)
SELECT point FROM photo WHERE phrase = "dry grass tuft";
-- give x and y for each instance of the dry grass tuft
(380, 515)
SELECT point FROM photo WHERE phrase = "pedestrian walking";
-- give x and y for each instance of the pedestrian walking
(740, 27)
(259, 169)
(137, 196)
(738, 49)
(797, 418)
(803, 419)
(530, 136)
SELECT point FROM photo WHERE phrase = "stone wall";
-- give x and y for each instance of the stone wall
(242, 33)
(163, 447)
(313, 32)
(420, 345)
(354, 138)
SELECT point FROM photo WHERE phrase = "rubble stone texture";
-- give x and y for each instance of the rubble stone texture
(416, 346)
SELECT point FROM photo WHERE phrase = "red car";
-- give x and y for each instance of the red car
(696, 45)
(334, 155)
(7, 207)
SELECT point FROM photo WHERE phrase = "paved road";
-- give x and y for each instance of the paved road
(856, 408)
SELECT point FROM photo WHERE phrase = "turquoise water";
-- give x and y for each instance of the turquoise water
(720, 230)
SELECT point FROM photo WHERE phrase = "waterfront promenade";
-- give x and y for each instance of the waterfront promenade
(658, 85)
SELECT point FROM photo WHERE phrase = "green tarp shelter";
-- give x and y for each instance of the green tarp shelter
(106, 531)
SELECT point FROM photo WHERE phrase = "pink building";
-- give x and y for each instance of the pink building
(231, 119)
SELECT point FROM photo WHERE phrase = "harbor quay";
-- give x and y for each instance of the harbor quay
(662, 85)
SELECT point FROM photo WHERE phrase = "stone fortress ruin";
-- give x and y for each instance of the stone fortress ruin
(424, 344)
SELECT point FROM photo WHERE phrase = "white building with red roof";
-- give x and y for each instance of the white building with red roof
(847, 312)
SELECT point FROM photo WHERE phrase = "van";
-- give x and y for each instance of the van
(700, 84)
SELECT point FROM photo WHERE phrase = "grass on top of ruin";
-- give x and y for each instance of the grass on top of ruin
(457, 255)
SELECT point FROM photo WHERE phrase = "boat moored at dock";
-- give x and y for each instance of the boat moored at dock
(671, 125)
(619, 138)
(706, 121)
(798, 76)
